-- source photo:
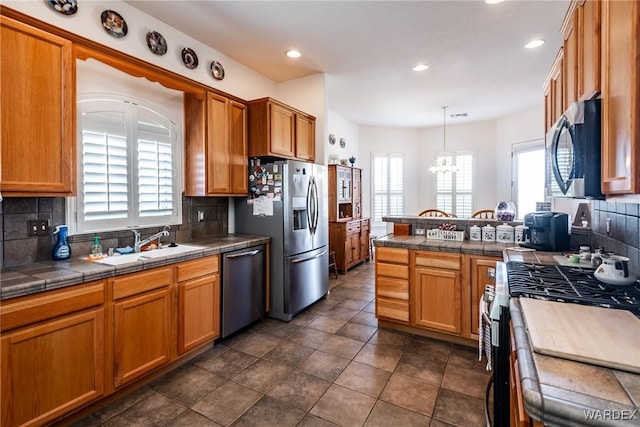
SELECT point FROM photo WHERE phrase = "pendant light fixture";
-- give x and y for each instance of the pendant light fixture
(443, 165)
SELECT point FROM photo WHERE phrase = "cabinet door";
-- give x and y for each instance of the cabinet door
(570, 61)
(38, 112)
(353, 242)
(344, 184)
(364, 240)
(557, 89)
(142, 335)
(238, 147)
(218, 145)
(305, 138)
(282, 128)
(479, 269)
(356, 176)
(438, 299)
(52, 368)
(589, 49)
(620, 97)
(548, 108)
(199, 312)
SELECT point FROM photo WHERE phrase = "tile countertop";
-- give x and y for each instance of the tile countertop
(47, 275)
(556, 391)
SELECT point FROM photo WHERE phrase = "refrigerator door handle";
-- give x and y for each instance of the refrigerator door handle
(310, 258)
(309, 207)
(315, 206)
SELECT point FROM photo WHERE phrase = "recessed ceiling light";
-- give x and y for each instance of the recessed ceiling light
(493, 1)
(292, 53)
(420, 67)
(534, 43)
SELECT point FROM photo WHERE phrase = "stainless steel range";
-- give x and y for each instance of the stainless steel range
(569, 284)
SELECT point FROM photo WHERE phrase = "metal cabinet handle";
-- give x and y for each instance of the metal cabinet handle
(249, 253)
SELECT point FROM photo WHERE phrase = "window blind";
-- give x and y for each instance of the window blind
(454, 191)
(388, 185)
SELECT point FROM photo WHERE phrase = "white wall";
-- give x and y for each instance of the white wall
(343, 128)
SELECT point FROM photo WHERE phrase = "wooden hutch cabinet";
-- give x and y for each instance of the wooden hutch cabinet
(348, 231)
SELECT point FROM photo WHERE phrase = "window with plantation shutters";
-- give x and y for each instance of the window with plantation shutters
(387, 185)
(454, 191)
(127, 175)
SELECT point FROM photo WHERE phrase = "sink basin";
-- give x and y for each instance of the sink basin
(157, 253)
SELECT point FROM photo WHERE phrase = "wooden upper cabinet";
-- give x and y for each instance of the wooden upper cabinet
(38, 112)
(589, 17)
(215, 146)
(277, 130)
(570, 59)
(620, 97)
(553, 95)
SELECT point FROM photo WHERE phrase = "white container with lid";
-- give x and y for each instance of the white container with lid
(519, 235)
(475, 233)
(505, 233)
(489, 233)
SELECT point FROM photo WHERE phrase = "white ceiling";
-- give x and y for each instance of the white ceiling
(475, 52)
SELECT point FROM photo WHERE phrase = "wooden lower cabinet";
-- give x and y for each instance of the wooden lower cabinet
(392, 284)
(198, 302)
(350, 241)
(55, 365)
(142, 323)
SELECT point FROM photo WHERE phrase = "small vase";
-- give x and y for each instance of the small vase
(352, 160)
(505, 211)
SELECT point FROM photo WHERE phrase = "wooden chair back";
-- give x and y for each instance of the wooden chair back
(436, 213)
(484, 214)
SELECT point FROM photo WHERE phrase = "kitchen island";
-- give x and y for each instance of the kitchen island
(552, 390)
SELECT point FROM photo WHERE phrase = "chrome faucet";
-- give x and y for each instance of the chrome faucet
(140, 243)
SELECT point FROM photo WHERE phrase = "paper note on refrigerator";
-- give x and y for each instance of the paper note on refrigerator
(263, 206)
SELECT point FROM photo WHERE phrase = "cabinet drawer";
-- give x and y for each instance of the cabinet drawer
(392, 309)
(28, 310)
(353, 227)
(392, 270)
(364, 224)
(198, 267)
(438, 260)
(137, 283)
(393, 288)
(400, 256)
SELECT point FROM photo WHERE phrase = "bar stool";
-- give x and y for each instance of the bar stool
(332, 262)
(371, 246)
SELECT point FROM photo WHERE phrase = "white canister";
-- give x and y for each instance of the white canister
(520, 233)
(505, 233)
(489, 233)
(475, 233)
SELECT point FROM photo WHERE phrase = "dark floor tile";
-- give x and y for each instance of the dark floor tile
(430, 347)
(365, 296)
(365, 318)
(344, 407)
(352, 304)
(391, 338)
(289, 353)
(154, 410)
(459, 409)
(313, 421)
(323, 365)
(187, 384)
(471, 382)
(423, 368)
(327, 324)
(268, 412)
(310, 337)
(114, 408)
(342, 346)
(438, 423)
(258, 344)
(262, 375)
(191, 418)
(357, 331)
(227, 403)
(235, 339)
(304, 318)
(364, 379)
(228, 364)
(379, 356)
(411, 394)
(214, 351)
(280, 329)
(385, 414)
(300, 390)
(466, 357)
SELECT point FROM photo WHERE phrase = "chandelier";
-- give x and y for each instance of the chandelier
(444, 164)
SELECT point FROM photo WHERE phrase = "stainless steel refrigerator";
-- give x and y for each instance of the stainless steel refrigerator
(288, 202)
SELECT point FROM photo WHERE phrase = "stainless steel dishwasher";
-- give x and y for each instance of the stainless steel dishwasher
(243, 288)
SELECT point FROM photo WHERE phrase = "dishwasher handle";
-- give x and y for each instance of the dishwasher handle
(248, 253)
(310, 258)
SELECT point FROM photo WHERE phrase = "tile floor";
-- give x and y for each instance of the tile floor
(330, 365)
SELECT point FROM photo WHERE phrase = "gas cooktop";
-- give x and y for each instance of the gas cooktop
(569, 284)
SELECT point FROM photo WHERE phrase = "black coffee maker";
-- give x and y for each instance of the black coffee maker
(547, 231)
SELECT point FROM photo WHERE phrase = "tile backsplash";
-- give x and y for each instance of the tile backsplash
(17, 248)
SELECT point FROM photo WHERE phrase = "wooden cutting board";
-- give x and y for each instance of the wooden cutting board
(596, 335)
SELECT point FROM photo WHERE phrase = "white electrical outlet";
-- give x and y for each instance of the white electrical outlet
(420, 231)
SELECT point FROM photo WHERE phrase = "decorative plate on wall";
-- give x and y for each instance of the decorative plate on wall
(114, 23)
(332, 139)
(157, 44)
(343, 142)
(217, 71)
(66, 7)
(189, 58)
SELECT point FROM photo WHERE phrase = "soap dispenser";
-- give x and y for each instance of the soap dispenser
(61, 250)
(96, 249)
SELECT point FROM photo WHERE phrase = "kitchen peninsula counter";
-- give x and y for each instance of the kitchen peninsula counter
(48, 275)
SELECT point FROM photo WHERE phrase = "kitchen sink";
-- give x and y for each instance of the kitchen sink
(166, 251)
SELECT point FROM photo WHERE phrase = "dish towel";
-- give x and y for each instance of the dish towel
(484, 331)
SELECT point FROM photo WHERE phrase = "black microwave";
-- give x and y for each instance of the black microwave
(573, 152)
